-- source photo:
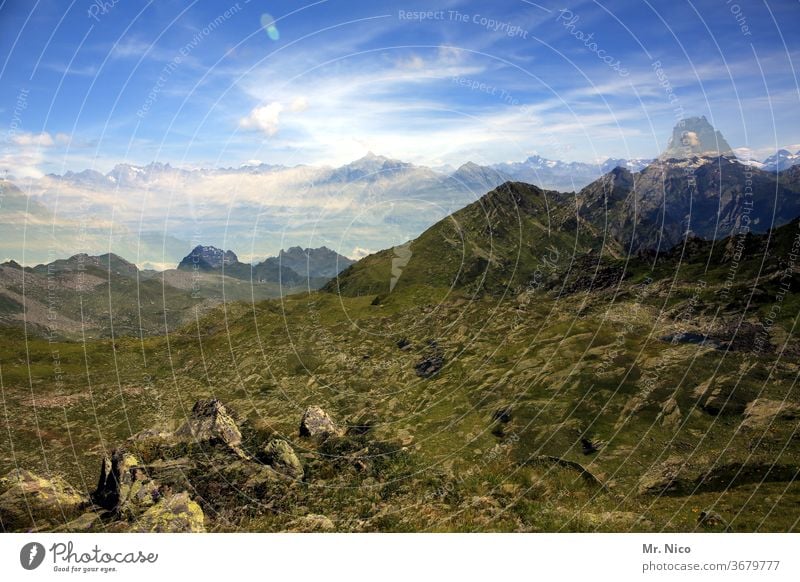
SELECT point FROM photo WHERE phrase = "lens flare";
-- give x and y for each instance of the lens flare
(268, 24)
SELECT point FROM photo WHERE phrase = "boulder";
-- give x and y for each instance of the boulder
(431, 362)
(317, 423)
(281, 456)
(670, 414)
(174, 514)
(125, 489)
(429, 366)
(211, 422)
(29, 501)
(118, 473)
(503, 415)
(588, 447)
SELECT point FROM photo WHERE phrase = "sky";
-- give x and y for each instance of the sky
(89, 84)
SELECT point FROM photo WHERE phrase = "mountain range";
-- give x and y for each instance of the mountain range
(498, 241)
(696, 189)
(152, 214)
(620, 358)
(546, 173)
(105, 295)
(293, 267)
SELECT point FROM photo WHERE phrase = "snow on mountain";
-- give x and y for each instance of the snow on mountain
(560, 175)
(781, 160)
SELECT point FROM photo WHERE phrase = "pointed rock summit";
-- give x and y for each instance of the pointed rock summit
(207, 258)
(695, 136)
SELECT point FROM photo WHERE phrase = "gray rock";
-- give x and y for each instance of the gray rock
(211, 422)
(281, 456)
(29, 501)
(317, 423)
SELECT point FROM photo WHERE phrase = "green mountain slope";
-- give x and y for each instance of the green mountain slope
(610, 395)
(504, 241)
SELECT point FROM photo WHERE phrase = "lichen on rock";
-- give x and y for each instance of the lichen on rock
(281, 456)
(28, 500)
(173, 514)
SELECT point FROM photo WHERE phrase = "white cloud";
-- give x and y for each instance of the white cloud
(43, 139)
(360, 252)
(414, 62)
(299, 104)
(26, 152)
(265, 118)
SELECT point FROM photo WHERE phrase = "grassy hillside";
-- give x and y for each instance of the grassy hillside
(504, 242)
(600, 394)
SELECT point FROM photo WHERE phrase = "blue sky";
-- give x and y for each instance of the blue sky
(206, 84)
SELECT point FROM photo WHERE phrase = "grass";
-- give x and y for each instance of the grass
(565, 366)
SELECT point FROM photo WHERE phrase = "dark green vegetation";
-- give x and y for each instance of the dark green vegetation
(511, 369)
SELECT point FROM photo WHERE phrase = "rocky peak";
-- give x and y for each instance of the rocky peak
(695, 136)
(208, 257)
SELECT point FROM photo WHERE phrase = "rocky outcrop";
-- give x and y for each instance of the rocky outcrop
(211, 422)
(431, 362)
(663, 478)
(118, 473)
(163, 482)
(29, 501)
(317, 423)
(208, 258)
(695, 136)
(281, 456)
(762, 413)
(720, 397)
(670, 414)
(173, 514)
